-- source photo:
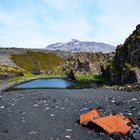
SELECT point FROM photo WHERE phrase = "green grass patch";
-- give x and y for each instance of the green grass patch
(10, 71)
(39, 62)
(84, 77)
(102, 79)
(31, 76)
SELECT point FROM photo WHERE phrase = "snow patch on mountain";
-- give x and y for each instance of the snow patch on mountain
(81, 46)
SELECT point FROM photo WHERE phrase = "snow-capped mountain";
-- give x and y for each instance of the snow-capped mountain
(81, 46)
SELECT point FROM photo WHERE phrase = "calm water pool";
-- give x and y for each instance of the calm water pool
(56, 83)
(47, 83)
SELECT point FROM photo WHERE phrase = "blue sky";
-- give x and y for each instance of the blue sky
(37, 23)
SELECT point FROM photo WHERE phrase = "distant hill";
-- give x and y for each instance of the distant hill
(81, 46)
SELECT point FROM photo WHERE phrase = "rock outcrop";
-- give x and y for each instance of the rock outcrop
(86, 64)
(7, 72)
(39, 61)
(126, 64)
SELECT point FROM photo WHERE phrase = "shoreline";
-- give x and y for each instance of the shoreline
(5, 85)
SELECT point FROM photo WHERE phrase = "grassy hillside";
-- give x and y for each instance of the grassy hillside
(9, 71)
(39, 62)
(84, 66)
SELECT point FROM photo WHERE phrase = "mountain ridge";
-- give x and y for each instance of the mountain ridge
(75, 45)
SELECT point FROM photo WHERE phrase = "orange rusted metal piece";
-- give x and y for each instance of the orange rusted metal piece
(91, 115)
(111, 123)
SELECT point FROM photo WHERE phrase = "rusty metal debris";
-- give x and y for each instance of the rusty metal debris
(117, 123)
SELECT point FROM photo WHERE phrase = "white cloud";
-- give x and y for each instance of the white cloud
(118, 20)
(19, 30)
(48, 21)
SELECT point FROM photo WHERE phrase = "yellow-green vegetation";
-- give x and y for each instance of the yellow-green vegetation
(107, 66)
(100, 78)
(31, 76)
(39, 62)
(128, 66)
(84, 77)
(10, 70)
(26, 76)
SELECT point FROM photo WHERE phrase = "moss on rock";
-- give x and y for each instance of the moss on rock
(39, 62)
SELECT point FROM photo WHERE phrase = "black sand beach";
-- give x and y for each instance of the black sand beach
(49, 114)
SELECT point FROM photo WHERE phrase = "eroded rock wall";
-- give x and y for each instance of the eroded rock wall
(126, 63)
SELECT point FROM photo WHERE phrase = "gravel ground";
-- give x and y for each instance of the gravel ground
(50, 114)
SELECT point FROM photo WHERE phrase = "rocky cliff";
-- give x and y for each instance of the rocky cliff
(126, 64)
(74, 65)
(86, 64)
